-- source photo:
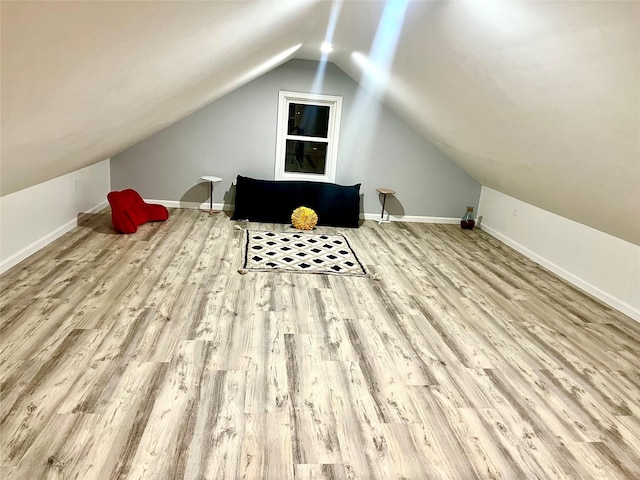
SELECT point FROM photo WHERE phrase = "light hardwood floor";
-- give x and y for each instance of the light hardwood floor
(148, 356)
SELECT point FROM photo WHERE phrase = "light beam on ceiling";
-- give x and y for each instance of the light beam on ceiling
(375, 76)
(376, 66)
(264, 67)
(316, 86)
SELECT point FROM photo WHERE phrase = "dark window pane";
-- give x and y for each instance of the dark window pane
(305, 157)
(308, 120)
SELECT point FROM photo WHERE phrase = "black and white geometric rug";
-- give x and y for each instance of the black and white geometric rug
(300, 253)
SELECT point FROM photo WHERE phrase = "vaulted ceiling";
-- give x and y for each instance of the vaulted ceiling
(538, 100)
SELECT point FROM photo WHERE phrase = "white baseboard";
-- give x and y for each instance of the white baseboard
(568, 276)
(366, 216)
(411, 218)
(191, 205)
(45, 240)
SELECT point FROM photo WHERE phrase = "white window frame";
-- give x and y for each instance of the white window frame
(335, 109)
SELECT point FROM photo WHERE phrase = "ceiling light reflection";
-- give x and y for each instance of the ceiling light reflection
(326, 48)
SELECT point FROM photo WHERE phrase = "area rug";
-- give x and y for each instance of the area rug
(300, 253)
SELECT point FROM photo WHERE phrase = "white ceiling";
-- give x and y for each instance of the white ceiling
(539, 100)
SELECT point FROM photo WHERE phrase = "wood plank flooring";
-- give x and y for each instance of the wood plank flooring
(148, 356)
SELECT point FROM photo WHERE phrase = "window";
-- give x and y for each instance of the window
(307, 139)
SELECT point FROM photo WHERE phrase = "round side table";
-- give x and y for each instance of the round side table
(211, 180)
(384, 192)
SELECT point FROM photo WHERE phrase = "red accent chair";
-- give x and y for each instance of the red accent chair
(128, 210)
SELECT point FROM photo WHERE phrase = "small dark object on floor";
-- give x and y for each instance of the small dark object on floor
(467, 222)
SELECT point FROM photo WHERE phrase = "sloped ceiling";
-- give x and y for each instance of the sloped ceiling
(538, 100)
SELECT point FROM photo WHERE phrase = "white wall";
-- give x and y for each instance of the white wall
(33, 217)
(604, 266)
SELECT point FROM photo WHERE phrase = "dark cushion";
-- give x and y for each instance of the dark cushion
(128, 210)
(273, 201)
